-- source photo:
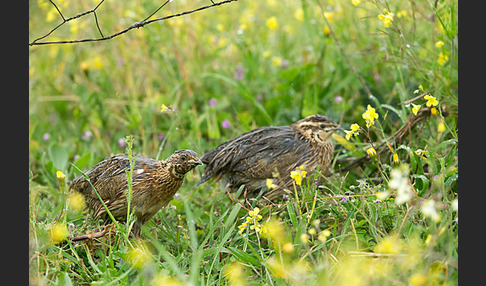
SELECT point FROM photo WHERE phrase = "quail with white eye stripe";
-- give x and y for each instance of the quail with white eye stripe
(257, 155)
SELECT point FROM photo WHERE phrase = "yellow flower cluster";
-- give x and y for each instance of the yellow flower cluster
(253, 220)
(270, 184)
(298, 175)
(354, 131)
(386, 18)
(369, 116)
(443, 58)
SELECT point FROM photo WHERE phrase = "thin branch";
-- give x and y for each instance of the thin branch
(59, 11)
(162, 6)
(97, 24)
(134, 25)
(396, 139)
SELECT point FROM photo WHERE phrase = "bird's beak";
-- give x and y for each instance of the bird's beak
(196, 162)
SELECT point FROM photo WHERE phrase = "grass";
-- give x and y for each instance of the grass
(236, 64)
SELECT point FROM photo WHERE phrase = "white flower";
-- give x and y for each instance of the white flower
(428, 210)
(399, 182)
(455, 205)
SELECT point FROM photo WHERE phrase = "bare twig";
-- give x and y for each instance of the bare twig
(137, 25)
(94, 233)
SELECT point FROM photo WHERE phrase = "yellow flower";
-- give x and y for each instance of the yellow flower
(326, 30)
(298, 175)
(266, 54)
(323, 235)
(138, 257)
(299, 15)
(417, 279)
(272, 23)
(329, 16)
(234, 273)
(370, 115)
(354, 130)
(254, 212)
(420, 88)
(304, 238)
(433, 111)
(441, 127)
(348, 134)
(276, 61)
(395, 158)
(386, 18)
(164, 280)
(60, 176)
(270, 184)
(254, 218)
(371, 152)
(442, 59)
(163, 108)
(415, 108)
(439, 44)
(288, 247)
(76, 202)
(275, 230)
(355, 2)
(97, 62)
(431, 101)
(389, 245)
(402, 13)
(58, 233)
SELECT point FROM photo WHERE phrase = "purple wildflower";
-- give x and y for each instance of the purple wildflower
(345, 199)
(213, 102)
(338, 99)
(239, 72)
(87, 135)
(121, 142)
(46, 137)
(160, 136)
(285, 63)
(226, 123)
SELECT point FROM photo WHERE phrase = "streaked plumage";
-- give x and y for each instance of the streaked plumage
(154, 183)
(262, 153)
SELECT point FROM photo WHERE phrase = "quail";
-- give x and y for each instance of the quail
(153, 185)
(271, 152)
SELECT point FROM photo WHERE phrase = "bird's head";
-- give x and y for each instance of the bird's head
(183, 161)
(316, 128)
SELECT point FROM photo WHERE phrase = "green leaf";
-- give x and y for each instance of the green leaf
(59, 156)
(64, 280)
(83, 160)
(244, 257)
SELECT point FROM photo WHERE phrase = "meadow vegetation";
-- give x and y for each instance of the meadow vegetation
(198, 80)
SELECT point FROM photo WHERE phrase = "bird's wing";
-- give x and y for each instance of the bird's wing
(257, 153)
(109, 176)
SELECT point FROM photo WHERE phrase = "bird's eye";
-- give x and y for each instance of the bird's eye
(322, 126)
(183, 158)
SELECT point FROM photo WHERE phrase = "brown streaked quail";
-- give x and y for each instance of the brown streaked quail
(153, 185)
(269, 152)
